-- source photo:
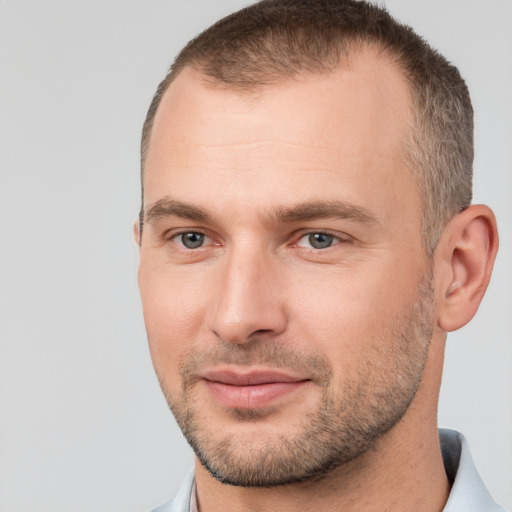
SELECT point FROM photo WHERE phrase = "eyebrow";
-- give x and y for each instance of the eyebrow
(167, 207)
(324, 210)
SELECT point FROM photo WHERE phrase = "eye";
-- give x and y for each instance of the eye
(191, 239)
(317, 240)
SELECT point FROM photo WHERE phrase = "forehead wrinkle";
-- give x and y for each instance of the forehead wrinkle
(322, 210)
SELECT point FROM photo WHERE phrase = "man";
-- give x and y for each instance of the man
(307, 240)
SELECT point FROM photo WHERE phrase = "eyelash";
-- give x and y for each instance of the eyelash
(336, 240)
(175, 236)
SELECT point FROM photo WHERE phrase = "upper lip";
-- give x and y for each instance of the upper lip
(250, 378)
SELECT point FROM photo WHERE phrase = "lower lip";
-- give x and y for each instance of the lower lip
(252, 397)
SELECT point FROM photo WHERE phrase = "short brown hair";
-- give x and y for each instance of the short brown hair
(275, 40)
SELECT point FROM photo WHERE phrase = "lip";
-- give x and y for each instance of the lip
(250, 390)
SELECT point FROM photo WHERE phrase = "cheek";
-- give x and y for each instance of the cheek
(173, 308)
(352, 314)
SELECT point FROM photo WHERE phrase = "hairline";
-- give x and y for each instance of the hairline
(411, 143)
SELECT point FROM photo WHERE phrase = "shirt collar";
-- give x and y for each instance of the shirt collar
(468, 490)
(193, 499)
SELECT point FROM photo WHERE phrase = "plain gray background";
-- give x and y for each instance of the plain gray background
(83, 426)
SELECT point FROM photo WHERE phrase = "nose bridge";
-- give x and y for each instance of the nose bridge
(248, 300)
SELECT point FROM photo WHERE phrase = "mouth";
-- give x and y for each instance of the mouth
(250, 390)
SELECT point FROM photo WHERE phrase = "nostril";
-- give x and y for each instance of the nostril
(260, 332)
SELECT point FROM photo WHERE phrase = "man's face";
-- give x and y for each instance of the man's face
(286, 292)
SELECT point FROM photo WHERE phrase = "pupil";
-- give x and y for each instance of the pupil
(192, 240)
(320, 240)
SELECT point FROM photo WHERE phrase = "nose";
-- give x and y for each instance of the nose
(249, 300)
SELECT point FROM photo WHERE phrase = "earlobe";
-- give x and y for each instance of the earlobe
(465, 255)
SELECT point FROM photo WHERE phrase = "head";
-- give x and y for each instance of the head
(271, 42)
(307, 237)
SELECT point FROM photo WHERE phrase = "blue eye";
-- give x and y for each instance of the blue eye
(192, 239)
(320, 240)
(317, 240)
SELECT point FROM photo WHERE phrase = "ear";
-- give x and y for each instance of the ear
(464, 259)
(136, 232)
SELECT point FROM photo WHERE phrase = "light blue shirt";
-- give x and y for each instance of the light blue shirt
(468, 493)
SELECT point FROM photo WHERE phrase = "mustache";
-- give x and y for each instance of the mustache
(269, 354)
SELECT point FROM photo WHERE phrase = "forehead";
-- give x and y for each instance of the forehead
(349, 124)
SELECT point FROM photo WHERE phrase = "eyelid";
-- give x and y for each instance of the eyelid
(173, 235)
(338, 238)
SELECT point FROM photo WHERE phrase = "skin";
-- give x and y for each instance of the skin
(258, 281)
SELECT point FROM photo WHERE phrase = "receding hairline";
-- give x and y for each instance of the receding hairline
(253, 90)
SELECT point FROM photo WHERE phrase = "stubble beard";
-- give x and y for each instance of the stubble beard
(342, 427)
